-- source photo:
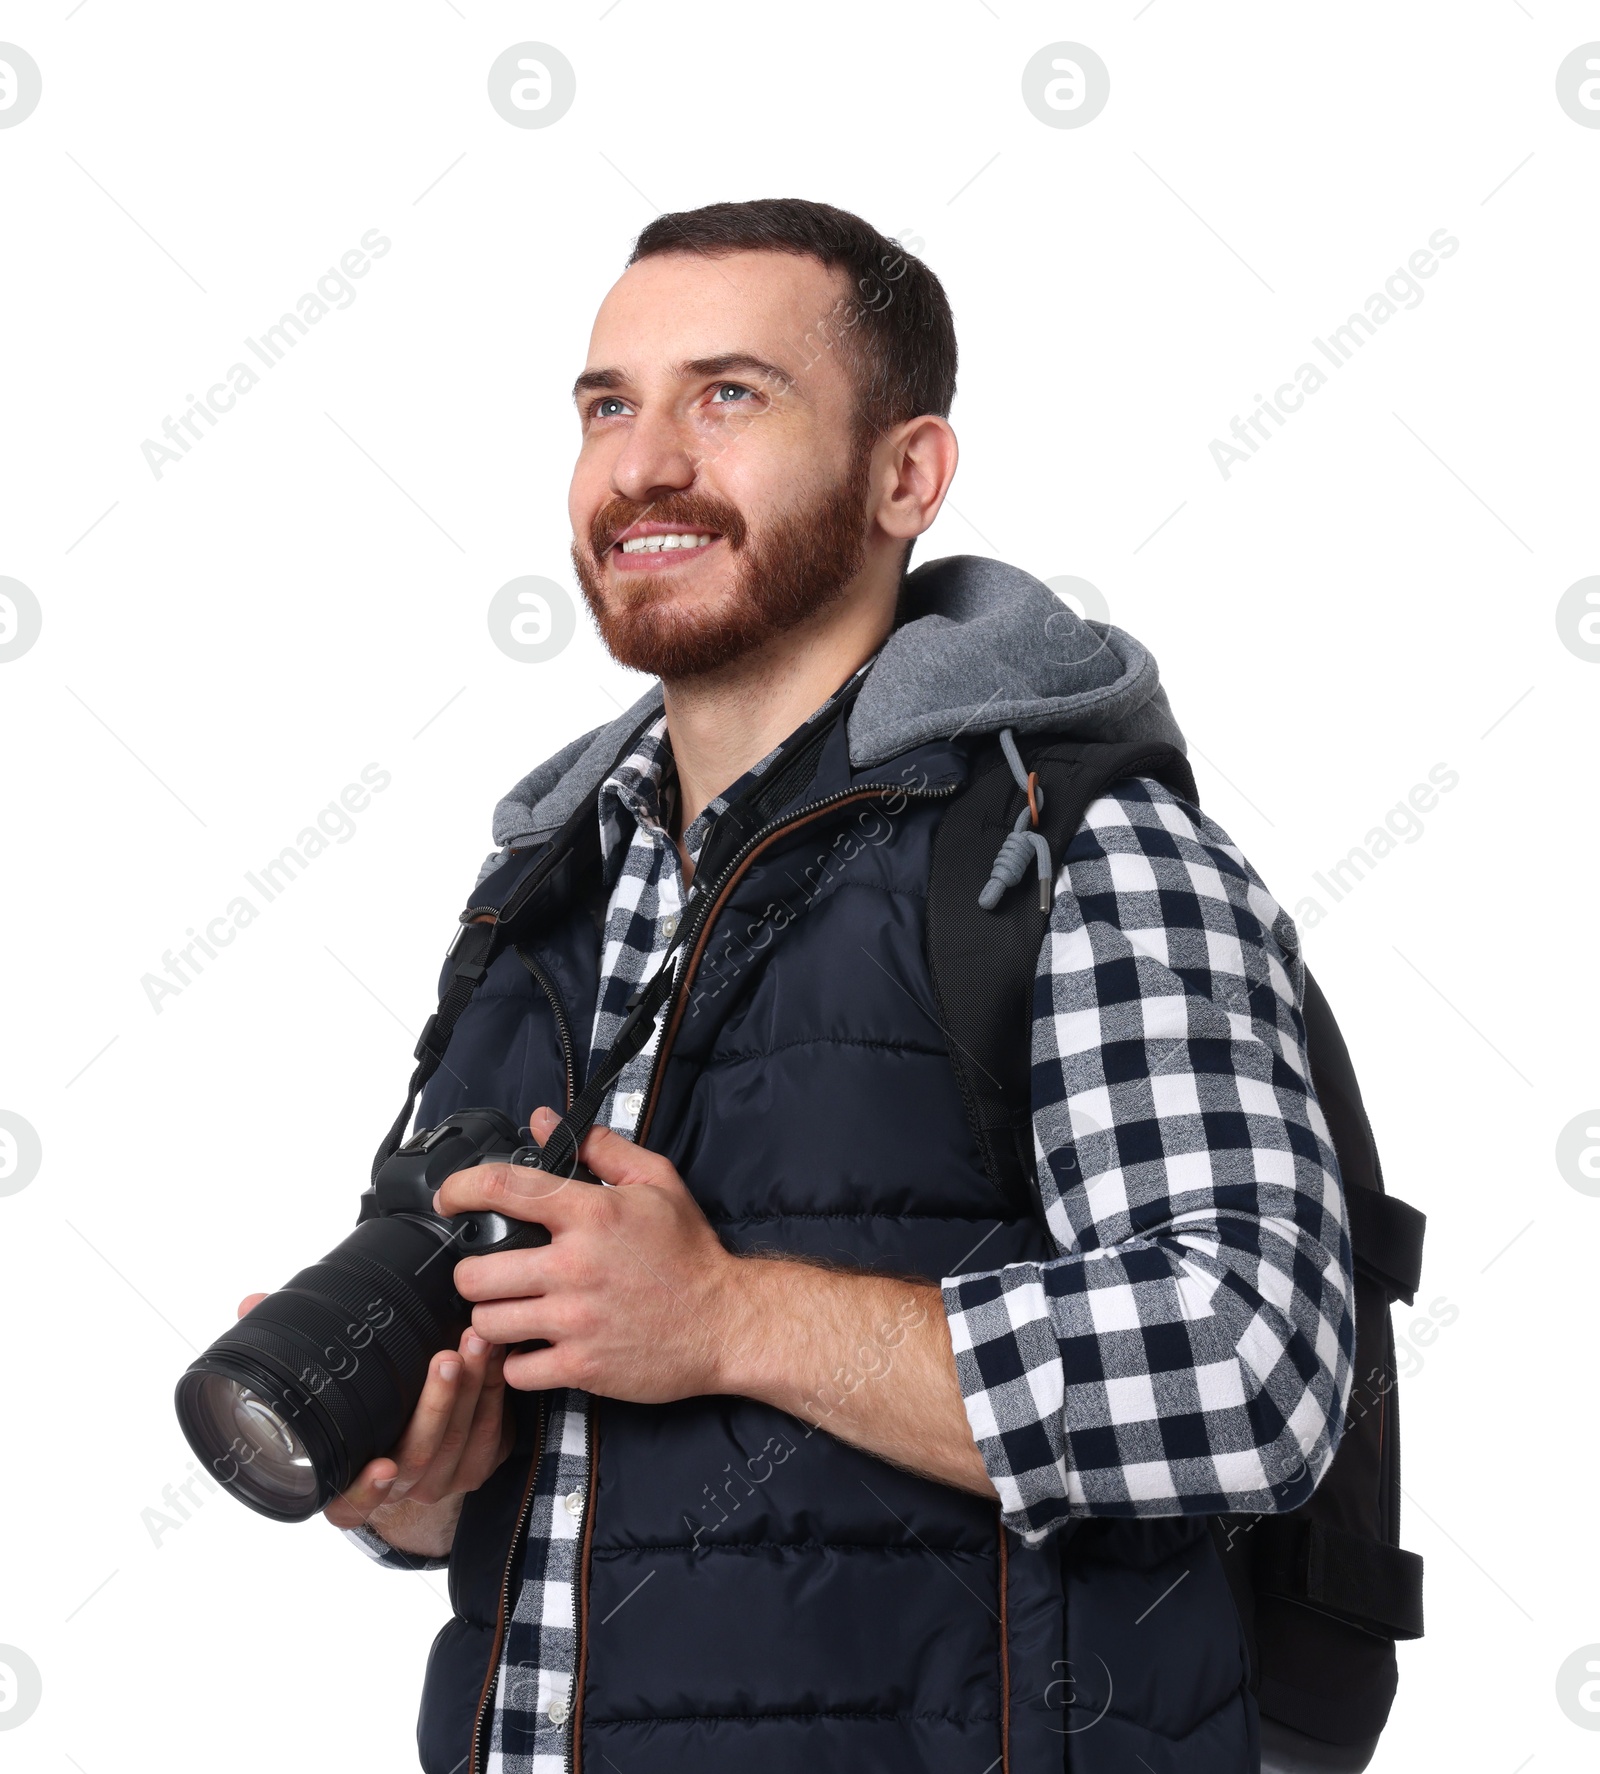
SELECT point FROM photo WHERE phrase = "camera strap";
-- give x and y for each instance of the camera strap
(559, 1153)
(785, 779)
(519, 888)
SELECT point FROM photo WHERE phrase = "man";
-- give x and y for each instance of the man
(825, 1453)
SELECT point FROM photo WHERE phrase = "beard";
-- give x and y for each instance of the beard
(794, 567)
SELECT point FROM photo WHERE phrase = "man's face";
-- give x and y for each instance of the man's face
(721, 490)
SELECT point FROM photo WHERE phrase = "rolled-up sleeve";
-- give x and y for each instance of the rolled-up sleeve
(390, 1557)
(1189, 1350)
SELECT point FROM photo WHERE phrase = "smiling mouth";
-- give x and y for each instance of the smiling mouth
(662, 544)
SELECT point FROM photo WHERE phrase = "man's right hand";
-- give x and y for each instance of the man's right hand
(458, 1435)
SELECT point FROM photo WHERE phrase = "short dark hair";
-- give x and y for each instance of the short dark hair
(895, 326)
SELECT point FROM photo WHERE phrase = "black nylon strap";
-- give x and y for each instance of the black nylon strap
(560, 1152)
(1386, 1238)
(472, 951)
(1366, 1583)
(485, 932)
(784, 781)
(983, 962)
(1386, 1234)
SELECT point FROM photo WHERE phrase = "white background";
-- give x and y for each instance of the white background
(224, 648)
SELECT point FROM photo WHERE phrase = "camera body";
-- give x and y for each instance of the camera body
(287, 1406)
(406, 1183)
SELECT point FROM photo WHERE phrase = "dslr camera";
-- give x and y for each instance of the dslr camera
(323, 1375)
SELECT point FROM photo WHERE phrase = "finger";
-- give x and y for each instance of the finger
(615, 1159)
(452, 1443)
(486, 1443)
(514, 1321)
(249, 1303)
(371, 1486)
(426, 1429)
(509, 1275)
(537, 1370)
(542, 1123)
(514, 1190)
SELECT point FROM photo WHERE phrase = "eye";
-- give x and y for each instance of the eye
(729, 394)
(609, 406)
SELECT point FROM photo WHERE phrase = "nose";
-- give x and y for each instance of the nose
(657, 458)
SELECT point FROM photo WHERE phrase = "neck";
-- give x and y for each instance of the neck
(722, 722)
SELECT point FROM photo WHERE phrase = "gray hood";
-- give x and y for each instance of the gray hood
(979, 646)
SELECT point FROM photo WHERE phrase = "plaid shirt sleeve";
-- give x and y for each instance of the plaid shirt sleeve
(373, 1544)
(1189, 1350)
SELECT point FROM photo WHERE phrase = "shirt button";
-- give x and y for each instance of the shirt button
(669, 927)
(631, 1103)
(558, 1712)
(574, 1502)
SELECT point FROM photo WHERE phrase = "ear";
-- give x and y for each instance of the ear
(914, 463)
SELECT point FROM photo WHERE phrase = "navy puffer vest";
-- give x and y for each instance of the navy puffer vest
(809, 1607)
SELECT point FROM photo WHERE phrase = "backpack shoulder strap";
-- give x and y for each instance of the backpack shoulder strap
(526, 887)
(1385, 1232)
(983, 962)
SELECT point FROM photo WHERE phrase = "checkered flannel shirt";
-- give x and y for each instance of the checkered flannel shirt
(1189, 1348)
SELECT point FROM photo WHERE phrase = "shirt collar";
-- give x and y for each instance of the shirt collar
(641, 790)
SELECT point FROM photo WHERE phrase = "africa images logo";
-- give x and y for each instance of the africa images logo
(20, 85)
(21, 619)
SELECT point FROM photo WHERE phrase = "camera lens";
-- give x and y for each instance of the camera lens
(275, 1467)
(288, 1405)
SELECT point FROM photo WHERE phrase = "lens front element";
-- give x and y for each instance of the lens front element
(274, 1469)
(289, 1403)
(321, 1377)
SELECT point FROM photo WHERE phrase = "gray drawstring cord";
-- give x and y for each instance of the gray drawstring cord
(1023, 844)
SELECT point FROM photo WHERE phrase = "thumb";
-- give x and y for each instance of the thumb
(542, 1124)
(616, 1159)
(249, 1303)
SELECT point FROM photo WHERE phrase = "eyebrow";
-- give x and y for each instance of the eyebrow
(738, 360)
(592, 380)
(600, 380)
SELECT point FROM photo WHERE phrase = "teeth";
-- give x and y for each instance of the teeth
(655, 544)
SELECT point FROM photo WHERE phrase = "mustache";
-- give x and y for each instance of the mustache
(699, 511)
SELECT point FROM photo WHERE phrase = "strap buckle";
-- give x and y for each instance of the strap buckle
(477, 927)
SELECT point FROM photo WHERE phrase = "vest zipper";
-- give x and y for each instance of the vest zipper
(702, 909)
(563, 1027)
(491, 1679)
(1005, 1645)
(580, 1594)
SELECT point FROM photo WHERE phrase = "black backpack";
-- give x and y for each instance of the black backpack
(1324, 1591)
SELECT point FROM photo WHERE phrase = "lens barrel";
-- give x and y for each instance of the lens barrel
(337, 1359)
(285, 1408)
